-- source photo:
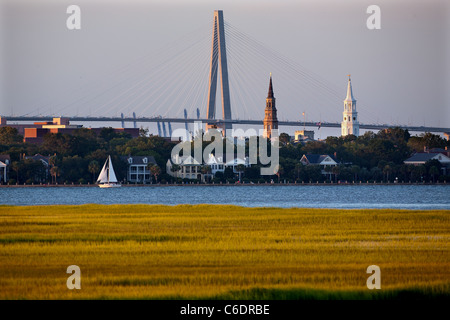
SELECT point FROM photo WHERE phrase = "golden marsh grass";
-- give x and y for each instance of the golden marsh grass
(212, 251)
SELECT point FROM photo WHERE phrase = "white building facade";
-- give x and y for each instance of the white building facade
(350, 123)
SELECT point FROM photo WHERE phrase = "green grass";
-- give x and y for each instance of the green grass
(222, 252)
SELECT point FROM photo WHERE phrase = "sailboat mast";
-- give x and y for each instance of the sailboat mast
(109, 167)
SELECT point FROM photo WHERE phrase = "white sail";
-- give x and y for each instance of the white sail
(103, 176)
(112, 174)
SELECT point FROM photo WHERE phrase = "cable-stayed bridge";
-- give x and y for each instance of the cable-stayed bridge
(178, 84)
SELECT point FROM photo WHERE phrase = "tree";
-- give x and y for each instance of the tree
(434, 171)
(143, 132)
(387, 170)
(284, 138)
(336, 170)
(206, 170)
(375, 172)
(93, 168)
(175, 168)
(279, 172)
(228, 173)
(355, 171)
(15, 166)
(298, 169)
(9, 135)
(55, 172)
(240, 169)
(156, 171)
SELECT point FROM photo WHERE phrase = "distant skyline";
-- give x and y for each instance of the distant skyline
(400, 74)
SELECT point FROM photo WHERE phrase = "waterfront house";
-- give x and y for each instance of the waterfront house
(5, 161)
(322, 160)
(189, 167)
(138, 168)
(216, 164)
(420, 158)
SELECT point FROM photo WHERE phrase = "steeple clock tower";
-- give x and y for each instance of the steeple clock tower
(350, 123)
(270, 117)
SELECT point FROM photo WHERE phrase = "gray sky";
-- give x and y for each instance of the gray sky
(400, 74)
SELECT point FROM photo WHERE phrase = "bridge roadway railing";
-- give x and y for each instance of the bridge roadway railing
(235, 121)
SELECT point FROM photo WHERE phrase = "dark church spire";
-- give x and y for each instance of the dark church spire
(270, 94)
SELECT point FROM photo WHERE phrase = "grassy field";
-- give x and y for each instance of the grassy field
(222, 252)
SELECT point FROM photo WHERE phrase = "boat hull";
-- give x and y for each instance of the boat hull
(109, 185)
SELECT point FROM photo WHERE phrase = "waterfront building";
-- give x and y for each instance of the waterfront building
(138, 168)
(189, 168)
(5, 161)
(420, 158)
(323, 160)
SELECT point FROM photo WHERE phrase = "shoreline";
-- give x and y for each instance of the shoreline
(359, 183)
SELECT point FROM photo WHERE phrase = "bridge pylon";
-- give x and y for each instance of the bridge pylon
(218, 58)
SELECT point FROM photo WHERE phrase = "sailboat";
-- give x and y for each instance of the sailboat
(107, 177)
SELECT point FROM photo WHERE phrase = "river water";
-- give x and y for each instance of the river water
(311, 196)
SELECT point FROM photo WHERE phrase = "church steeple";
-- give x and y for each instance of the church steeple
(270, 117)
(350, 123)
(270, 94)
(349, 97)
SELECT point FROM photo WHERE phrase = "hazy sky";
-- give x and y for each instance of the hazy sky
(400, 74)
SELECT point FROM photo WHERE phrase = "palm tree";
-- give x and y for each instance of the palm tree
(298, 168)
(336, 170)
(240, 168)
(175, 168)
(387, 171)
(206, 170)
(15, 166)
(93, 168)
(434, 171)
(156, 171)
(328, 170)
(279, 172)
(355, 170)
(55, 172)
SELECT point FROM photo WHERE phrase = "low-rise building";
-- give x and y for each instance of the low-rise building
(323, 160)
(34, 133)
(5, 161)
(138, 168)
(303, 136)
(423, 157)
(189, 168)
(420, 158)
(216, 164)
(192, 169)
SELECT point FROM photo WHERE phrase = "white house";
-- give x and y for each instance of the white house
(216, 164)
(4, 163)
(322, 160)
(420, 158)
(236, 162)
(189, 167)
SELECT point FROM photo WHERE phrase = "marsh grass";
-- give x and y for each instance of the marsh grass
(221, 252)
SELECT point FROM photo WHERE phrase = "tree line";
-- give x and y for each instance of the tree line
(78, 157)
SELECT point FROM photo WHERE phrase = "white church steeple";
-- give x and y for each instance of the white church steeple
(350, 123)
